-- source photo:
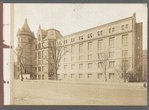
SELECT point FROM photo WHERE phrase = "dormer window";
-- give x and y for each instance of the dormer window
(110, 30)
(126, 26)
(113, 29)
(90, 35)
(122, 27)
(72, 39)
(80, 37)
(65, 41)
(101, 32)
(98, 33)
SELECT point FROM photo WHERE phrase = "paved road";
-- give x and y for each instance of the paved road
(41, 93)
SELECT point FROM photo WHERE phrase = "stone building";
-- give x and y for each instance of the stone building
(121, 40)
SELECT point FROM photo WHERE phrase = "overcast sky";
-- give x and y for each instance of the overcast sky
(70, 18)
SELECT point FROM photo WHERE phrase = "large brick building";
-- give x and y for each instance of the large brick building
(121, 39)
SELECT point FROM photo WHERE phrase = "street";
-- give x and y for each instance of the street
(47, 93)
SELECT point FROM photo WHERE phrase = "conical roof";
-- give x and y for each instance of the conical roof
(25, 30)
(25, 27)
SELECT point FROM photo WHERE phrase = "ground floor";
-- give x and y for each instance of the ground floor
(109, 77)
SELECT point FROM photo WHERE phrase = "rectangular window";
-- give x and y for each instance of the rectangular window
(72, 39)
(89, 56)
(90, 35)
(122, 27)
(80, 76)
(124, 52)
(100, 55)
(100, 64)
(89, 65)
(35, 46)
(101, 32)
(98, 33)
(81, 47)
(73, 49)
(125, 39)
(111, 42)
(111, 75)
(43, 69)
(39, 55)
(111, 54)
(99, 44)
(89, 76)
(110, 30)
(72, 76)
(39, 62)
(72, 58)
(73, 66)
(113, 29)
(81, 57)
(39, 69)
(42, 54)
(126, 26)
(80, 66)
(65, 41)
(99, 75)
(36, 69)
(111, 64)
(35, 55)
(90, 46)
(80, 37)
(39, 45)
(65, 67)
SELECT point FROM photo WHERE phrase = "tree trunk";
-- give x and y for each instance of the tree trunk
(105, 77)
(21, 74)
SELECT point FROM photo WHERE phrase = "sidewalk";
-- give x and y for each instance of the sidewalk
(88, 82)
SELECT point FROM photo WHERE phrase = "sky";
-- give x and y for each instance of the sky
(71, 18)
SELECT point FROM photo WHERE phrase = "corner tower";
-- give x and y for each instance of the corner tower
(25, 37)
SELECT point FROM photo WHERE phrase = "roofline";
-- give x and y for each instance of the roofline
(125, 19)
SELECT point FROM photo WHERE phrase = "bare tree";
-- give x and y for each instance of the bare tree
(103, 58)
(22, 60)
(123, 68)
(55, 53)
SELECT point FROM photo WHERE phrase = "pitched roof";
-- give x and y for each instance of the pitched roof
(26, 29)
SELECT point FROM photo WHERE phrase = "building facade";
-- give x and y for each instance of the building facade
(119, 43)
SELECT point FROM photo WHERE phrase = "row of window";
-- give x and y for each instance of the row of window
(41, 45)
(24, 39)
(98, 33)
(89, 76)
(125, 26)
(100, 55)
(38, 69)
(100, 65)
(100, 44)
